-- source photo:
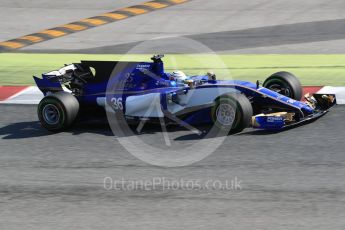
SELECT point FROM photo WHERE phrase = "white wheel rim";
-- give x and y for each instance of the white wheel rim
(51, 114)
(225, 114)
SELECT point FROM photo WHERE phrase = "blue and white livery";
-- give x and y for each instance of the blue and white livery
(144, 91)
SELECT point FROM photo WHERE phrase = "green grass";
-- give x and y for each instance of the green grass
(18, 69)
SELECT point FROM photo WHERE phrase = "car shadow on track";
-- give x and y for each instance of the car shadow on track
(32, 129)
(271, 132)
(207, 135)
(22, 130)
(259, 132)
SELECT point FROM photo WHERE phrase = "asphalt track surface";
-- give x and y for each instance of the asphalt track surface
(258, 26)
(289, 180)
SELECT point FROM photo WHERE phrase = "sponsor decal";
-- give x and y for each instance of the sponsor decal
(143, 66)
(291, 101)
(274, 119)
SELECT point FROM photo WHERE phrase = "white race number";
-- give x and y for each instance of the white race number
(117, 103)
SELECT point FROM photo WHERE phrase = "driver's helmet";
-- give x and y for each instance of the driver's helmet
(179, 76)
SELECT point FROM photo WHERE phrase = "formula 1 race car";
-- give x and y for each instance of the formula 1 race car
(144, 91)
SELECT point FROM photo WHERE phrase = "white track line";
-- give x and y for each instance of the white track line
(16, 94)
(31, 96)
(338, 91)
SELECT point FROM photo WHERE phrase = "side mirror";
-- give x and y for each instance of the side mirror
(257, 84)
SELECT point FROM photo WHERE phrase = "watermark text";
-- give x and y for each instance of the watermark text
(162, 184)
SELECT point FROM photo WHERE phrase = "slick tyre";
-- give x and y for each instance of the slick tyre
(232, 113)
(58, 111)
(286, 84)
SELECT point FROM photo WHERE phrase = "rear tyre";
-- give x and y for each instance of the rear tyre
(58, 111)
(232, 113)
(286, 84)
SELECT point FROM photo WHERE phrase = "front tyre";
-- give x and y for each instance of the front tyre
(286, 84)
(57, 111)
(232, 113)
